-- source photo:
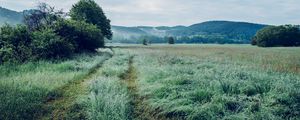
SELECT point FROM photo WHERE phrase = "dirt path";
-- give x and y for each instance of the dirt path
(65, 106)
(141, 110)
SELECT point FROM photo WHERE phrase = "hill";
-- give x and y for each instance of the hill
(211, 31)
(10, 16)
(226, 27)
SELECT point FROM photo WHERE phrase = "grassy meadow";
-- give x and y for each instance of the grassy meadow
(192, 82)
(218, 81)
(25, 89)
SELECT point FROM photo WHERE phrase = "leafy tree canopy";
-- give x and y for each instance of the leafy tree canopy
(273, 36)
(47, 35)
(42, 17)
(83, 35)
(90, 12)
(171, 40)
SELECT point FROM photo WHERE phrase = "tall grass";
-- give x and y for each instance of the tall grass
(109, 98)
(219, 82)
(177, 82)
(25, 88)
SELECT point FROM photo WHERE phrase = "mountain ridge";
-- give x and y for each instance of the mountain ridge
(242, 32)
(10, 17)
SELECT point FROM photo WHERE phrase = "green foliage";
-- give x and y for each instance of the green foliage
(145, 41)
(19, 45)
(47, 45)
(273, 36)
(83, 35)
(42, 17)
(90, 12)
(47, 35)
(171, 40)
(14, 45)
(208, 39)
(253, 41)
(25, 88)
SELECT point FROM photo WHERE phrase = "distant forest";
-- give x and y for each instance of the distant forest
(221, 32)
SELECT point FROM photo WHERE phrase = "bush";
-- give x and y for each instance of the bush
(83, 35)
(19, 45)
(47, 45)
(14, 44)
(48, 35)
(273, 36)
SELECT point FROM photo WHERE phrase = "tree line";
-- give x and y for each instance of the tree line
(277, 36)
(48, 33)
(169, 40)
(197, 39)
(269, 36)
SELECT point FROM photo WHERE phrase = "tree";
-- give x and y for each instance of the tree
(90, 12)
(14, 45)
(83, 35)
(253, 41)
(42, 17)
(47, 44)
(145, 41)
(273, 36)
(47, 34)
(171, 40)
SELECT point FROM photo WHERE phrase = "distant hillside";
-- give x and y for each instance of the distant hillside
(233, 29)
(233, 32)
(226, 27)
(10, 16)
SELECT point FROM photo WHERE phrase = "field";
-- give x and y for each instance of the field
(157, 82)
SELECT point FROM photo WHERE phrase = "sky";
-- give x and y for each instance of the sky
(182, 12)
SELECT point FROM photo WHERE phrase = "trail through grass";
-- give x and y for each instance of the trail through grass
(109, 99)
(141, 111)
(115, 93)
(24, 89)
(66, 106)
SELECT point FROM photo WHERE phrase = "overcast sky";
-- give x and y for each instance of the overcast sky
(182, 12)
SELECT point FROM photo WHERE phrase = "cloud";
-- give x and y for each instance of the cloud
(183, 12)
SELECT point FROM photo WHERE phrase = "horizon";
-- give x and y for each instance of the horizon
(133, 13)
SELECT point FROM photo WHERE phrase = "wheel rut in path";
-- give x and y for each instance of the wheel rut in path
(64, 106)
(140, 109)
